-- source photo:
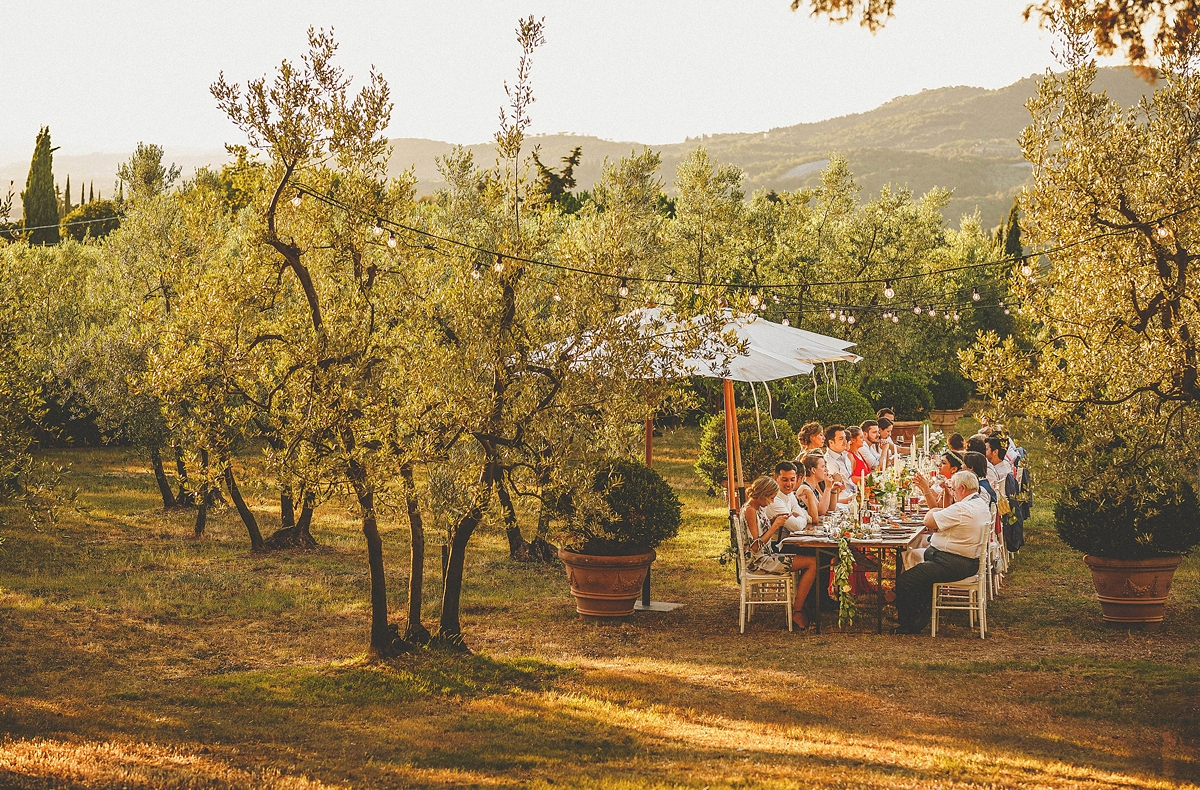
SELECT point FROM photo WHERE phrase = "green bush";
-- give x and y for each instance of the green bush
(1160, 519)
(850, 408)
(758, 458)
(643, 511)
(902, 393)
(951, 390)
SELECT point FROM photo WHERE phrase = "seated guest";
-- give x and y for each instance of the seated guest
(837, 461)
(957, 443)
(998, 466)
(975, 444)
(811, 438)
(953, 553)
(764, 544)
(787, 478)
(885, 412)
(937, 489)
(818, 494)
(887, 447)
(859, 468)
(870, 448)
(978, 464)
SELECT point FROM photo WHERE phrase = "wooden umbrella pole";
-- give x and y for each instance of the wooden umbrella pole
(740, 482)
(730, 424)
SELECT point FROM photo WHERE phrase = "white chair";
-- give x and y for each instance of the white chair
(970, 594)
(759, 588)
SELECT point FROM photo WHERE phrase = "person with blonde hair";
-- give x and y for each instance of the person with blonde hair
(953, 553)
(765, 553)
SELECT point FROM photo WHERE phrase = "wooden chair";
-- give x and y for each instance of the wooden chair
(970, 594)
(759, 588)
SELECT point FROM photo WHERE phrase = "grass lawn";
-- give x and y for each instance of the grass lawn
(133, 656)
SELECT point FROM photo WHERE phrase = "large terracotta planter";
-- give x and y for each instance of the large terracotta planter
(904, 430)
(605, 586)
(945, 420)
(1133, 592)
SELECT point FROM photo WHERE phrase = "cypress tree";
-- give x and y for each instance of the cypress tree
(39, 200)
(1012, 236)
(81, 193)
(66, 208)
(91, 191)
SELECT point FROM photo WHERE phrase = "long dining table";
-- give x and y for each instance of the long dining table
(892, 540)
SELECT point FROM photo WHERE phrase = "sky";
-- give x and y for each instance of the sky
(105, 76)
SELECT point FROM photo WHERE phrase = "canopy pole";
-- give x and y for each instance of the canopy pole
(737, 448)
(649, 442)
(730, 491)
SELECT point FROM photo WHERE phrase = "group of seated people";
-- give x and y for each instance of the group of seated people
(832, 462)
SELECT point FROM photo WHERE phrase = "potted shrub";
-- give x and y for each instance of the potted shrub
(612, 529)
(1133, 532)
(905, 395)
(950, 392)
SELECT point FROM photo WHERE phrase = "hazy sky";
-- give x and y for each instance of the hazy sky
(105, 75)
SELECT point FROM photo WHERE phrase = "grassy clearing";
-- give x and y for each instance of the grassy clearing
(133, 656)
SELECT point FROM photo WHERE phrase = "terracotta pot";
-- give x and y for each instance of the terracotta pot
(904, 430)
(1133, 592)
(945, 420)
(605, 586)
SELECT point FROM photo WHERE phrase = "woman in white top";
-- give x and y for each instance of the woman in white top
(764, 544)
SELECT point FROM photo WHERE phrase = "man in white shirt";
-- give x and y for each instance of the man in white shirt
(785, 502)
(953, 553)
(837, 461)
(998, 466)
(870, 448)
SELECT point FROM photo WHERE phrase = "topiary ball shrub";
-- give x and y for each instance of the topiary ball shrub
(902, 393)
(1161, 520)
(951, 390)
(643, 511)
(851, 408)
(758, 458)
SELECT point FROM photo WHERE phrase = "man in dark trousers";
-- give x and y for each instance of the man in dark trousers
(953, 552)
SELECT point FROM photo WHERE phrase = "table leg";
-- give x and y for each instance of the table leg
(879, 593)
(815, 593)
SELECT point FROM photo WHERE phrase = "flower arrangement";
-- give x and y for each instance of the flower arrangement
(847, 607)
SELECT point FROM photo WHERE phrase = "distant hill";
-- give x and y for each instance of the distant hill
(961, 138)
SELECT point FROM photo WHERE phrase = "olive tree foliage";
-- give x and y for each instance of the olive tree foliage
(1113, 367)
(336, 342)
(1136, 26)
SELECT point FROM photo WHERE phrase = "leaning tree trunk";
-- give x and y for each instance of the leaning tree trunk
(160, 476)
(287, 508)
(297, 535)
(385, 638)
(518, 547)
(185, 497)
(449, 626)
(415, 631)
(235, 493)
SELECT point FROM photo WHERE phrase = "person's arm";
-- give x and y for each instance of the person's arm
(931, 519)
(810, 503)
(829, 498)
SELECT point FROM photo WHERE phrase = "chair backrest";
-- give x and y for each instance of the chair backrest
(985, 541)
(740, 529)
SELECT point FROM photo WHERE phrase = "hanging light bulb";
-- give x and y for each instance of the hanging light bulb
(755, 299)
(623, 288)
(391, 240)
(832, 314)
(957, 316)
(1007, 311)
(1163, 232)
(785, 321)
(557, 296)
(888, 291)
(842, 317)
(850, 319)
(916, 309)
(298, 199)
(378, 229)
(775, 298)
(477, 271)
(975, 295)
(895, 318)
(947, 315)
(696, 290)
(1026, 269)
(498, 266)
(932, 312)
